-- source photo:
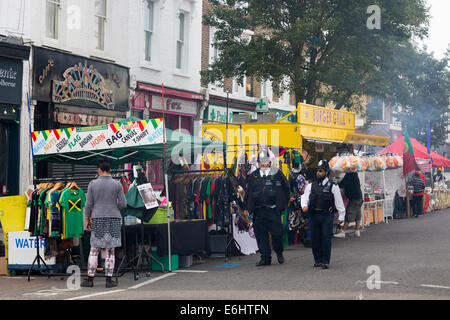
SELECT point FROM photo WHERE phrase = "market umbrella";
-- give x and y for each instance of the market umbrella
(420, 152)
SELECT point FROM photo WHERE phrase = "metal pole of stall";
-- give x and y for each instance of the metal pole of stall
(168, 221)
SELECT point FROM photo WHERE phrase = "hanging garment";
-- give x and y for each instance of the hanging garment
(72, 202)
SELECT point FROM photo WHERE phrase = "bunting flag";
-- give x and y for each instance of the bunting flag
(34, 135)
(114, 127)
(57, 133)
(156, 122)
(46, 133)
(409, 162)
(68, 132)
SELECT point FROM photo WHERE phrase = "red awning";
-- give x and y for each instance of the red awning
(420, 152)
(169, 92)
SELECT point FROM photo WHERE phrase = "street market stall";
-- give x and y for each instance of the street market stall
(437, 195)
(319, 133)
(123, 142)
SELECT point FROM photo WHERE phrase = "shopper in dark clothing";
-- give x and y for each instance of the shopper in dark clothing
(352, 190)
(417, 198)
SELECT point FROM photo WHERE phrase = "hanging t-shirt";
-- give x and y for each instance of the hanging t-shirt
(72, 203)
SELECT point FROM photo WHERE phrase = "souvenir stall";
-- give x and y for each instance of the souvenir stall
(319, 133)
(122, 142)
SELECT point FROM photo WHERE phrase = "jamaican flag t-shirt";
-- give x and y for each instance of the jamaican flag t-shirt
(72, 203)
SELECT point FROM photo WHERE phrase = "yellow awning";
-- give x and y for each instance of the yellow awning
(356, 138)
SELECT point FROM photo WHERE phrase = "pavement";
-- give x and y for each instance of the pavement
(403, 260)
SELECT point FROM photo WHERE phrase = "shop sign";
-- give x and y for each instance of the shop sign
(110, 136)
(325, 117)
(174, 105)
(10, 81)
(83, 82)
(280, 114)
(83, 119)
(219, 113)
(355, 138)
(22, 249)
(74, 80)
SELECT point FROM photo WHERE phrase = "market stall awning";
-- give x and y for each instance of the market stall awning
(420, 152)
(122, 142)
(364, 139)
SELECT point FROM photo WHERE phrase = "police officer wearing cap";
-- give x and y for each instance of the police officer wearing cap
(266, 197)
(321, 198)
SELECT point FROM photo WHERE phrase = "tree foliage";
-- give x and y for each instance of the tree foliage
(313, 48)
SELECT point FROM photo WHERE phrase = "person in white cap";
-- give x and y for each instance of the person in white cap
(321, 199)
(266, 197)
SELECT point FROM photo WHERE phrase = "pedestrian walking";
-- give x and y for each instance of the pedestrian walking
(352, 190)
(104, 200)
(321, 199)
(417, 197)
(266, 198)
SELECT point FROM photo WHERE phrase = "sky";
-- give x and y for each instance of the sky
(439, 30)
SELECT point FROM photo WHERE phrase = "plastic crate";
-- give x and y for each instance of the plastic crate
(165, 261)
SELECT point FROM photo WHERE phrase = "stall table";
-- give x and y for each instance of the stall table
(186, 237)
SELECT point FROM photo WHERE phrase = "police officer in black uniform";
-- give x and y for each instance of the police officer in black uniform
(321, 199)
(266, 197)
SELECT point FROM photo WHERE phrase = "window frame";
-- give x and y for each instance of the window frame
(97, 19)
(56, 19)
(181, 62)
(148, 52)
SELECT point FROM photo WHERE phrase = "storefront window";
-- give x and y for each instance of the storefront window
(53, 7)
(148, 29)
(100, 22)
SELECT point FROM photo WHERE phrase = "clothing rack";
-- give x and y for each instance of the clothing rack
(38, 259)
(230, 229)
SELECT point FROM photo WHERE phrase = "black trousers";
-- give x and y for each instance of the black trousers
(265, 221)
(417, 205)
(321, 235)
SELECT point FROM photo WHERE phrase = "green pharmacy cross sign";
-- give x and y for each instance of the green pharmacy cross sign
(261, 105)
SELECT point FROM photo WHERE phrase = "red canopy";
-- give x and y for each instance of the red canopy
(420, 152)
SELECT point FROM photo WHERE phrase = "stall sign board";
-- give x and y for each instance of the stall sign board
(22, 249)
(326, 117)
(109, 136)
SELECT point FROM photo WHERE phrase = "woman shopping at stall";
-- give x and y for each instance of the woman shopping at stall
(104, 201)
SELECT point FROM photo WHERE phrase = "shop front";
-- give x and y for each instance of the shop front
(217, 110)
(71, 90)
(11, 76)
(180, 109)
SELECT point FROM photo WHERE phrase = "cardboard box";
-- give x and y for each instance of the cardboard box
(2, 266)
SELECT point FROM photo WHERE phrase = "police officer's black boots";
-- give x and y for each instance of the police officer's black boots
(280, 258)
(263, 263)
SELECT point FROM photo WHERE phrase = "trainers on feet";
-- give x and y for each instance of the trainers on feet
(340, 234)
(357, 233)
(325, 266)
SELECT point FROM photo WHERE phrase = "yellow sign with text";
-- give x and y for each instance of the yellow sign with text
(325, 117)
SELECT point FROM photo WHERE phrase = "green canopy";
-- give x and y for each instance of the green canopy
(177, 143)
